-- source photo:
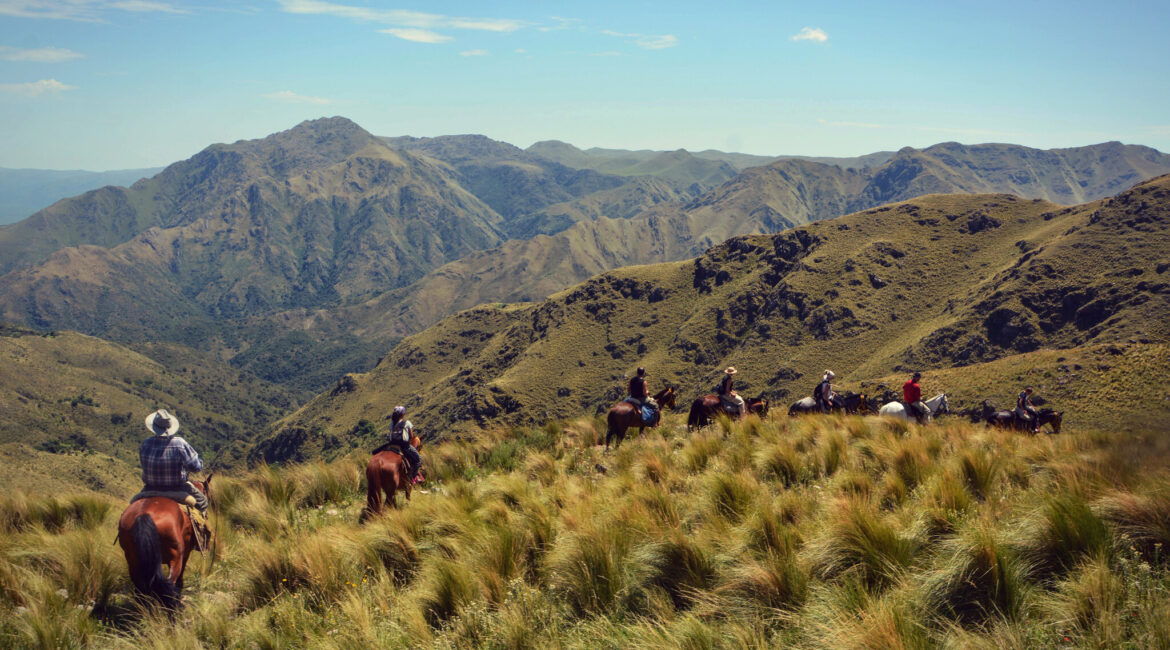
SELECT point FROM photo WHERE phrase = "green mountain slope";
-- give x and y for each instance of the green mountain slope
(939, 281)
(72, 409)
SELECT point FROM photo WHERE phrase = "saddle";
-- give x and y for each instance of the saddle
(395, 447)
(187, 501)
(181, 497)
(729, 405)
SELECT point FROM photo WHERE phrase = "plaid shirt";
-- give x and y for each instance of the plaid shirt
(166, 461)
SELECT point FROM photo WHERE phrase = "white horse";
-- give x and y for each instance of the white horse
(936, 405)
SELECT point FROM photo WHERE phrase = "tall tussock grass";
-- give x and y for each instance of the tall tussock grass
(818, 532)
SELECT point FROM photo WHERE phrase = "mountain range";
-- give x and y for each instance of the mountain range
(935, 282)
(309, 253)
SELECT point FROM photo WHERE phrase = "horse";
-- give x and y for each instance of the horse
(936, 405)
(1009, 420)
(704, 409)
(156, 531)
(386, 473)
(851, 403)
(624, 415)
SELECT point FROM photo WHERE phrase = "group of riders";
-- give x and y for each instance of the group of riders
(827, 399)
(167, 458)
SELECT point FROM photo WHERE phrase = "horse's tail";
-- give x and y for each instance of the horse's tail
(695, 417)
(147, 574)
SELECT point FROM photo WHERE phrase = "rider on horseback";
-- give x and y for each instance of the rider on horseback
(166, 459)
(824, 395)
(912, 397)
(731, 401)
(1025, 411)
(398, 440)
(640, 392)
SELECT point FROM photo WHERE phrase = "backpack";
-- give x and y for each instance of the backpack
(816, 394)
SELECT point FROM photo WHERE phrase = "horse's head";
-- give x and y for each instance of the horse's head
(943, 405)
(667, 398)
(757, 405)
(204, 485)
(1057, 416)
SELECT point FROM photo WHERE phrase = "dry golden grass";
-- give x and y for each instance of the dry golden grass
(823, 532)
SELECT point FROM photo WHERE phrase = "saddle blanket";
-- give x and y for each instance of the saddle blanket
(180, 496)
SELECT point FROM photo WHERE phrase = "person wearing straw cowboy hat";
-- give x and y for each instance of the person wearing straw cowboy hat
(166, 459)
(732, 403)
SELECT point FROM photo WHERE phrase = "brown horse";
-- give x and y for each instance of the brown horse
(156, 531)
(386, 473)
(1009, 419)
(624, 415)
(705, 408)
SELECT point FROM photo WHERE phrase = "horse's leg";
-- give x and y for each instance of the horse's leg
(390, 484)
(183, 556)
(373, 493)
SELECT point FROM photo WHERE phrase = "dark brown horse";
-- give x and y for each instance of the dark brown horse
(705, 408)
(1009, 419)
(624, 415)
(851, 403)
(156, 531)
(386, 473)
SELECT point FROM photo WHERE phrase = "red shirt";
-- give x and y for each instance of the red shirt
(911, 391)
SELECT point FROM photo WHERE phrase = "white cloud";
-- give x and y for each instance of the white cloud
(647, 41)
(416, 35)
(559, 23)
(81, 10)
(289, 97)
(147, 7)
(815, 34)
(474, 53)
(40, 55)
(36, 88)
(520, 50)
(399, 17)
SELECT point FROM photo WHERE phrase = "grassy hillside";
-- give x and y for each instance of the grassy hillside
(811, 533)
(72, 409)
(932, 283)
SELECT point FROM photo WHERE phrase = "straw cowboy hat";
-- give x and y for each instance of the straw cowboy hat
(731, 370)
(162, 423)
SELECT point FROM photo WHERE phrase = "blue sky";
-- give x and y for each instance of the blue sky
(109, 84)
